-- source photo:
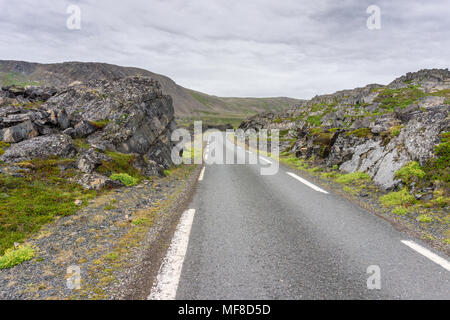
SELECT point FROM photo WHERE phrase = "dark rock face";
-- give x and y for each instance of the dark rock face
(129, 115)
(348, 128)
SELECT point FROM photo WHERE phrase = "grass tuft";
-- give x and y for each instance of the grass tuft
(126, 179)
(410, 172)
(353, 177)
(400, 211)
(398, 198)
(13, 257)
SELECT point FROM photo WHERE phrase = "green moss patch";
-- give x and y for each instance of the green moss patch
(361, 133)
(121, 163)
(314, 120)
(100, 124)
(410, 172)
(398, 198)
(125, 179)
(3, 146)
(400, 211)
(16, 256)
(401, 98)
(353, 177)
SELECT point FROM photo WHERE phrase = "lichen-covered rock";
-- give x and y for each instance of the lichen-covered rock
(130, 115)
(98, 182)
(90, 159)
(19, 132)
(42, 147)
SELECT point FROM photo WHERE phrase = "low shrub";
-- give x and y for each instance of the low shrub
(410, 172)
(398, 198)
(126, 179)
(15, 256)
(400, 211)
(425, 218)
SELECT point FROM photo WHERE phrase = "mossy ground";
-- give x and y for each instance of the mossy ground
(121, 166)
(28, 202)
(3, 146)
(398, 98)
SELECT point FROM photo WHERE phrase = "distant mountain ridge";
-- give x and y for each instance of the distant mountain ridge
(186, 102)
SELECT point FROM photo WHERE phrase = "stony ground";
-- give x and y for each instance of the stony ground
(110, 240)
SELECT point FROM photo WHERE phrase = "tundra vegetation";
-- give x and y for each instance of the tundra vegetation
(58, 152)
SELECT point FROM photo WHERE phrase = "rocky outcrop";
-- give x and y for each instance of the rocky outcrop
(42, 147)
(374, 129)
(128, 116)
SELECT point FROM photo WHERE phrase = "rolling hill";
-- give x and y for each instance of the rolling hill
(188, 104)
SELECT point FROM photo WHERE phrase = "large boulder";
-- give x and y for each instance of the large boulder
(42, 147)
(129, 115)
(19, 132)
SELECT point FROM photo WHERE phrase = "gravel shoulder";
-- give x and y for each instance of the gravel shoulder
(117, 241)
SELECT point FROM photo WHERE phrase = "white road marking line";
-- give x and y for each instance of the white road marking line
(265, 160)
(166, 285)
(202, 173)
(206, 157)
(309, 184)
(427, 253)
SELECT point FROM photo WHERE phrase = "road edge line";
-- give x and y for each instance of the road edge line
(166, 284)
(428, 254)
(307, 183)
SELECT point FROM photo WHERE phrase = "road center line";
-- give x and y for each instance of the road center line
(166, 285)
(202, 173)
(309, 184)
(427, 253)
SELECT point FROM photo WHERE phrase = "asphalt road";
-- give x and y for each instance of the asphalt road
(259, 236)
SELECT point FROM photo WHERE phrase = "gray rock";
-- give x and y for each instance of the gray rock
(42, 147)
(83, 129)
(90, 160)
(147, 167)
(430, 101)
(20, 132)
(98, 182)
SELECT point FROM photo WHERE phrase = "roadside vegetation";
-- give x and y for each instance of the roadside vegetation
(42, 190)
(16, 256)
(36, 195)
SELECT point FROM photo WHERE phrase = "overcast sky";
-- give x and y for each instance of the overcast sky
(237, 47)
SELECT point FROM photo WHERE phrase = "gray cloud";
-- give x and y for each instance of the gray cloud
(237, 48)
